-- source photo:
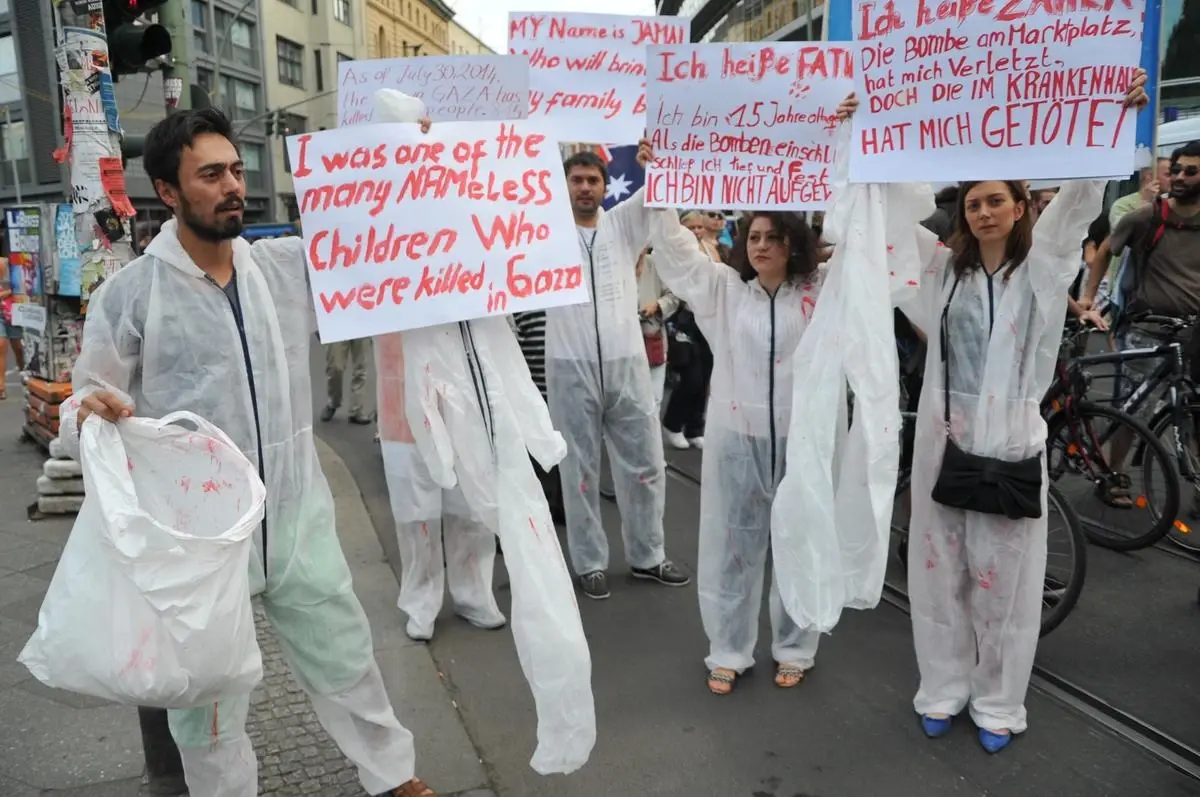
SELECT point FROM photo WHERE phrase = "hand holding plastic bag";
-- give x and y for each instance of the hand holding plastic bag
(150, 603)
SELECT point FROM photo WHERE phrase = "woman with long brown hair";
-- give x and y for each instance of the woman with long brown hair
(991, 307)
(755, 314)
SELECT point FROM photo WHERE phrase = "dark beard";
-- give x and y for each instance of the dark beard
(1188, 196)
(222, 231)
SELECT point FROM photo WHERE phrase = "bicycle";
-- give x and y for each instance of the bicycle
(1063, 585)
(1078, 431)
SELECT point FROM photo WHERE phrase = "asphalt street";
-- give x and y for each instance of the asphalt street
(849, 730)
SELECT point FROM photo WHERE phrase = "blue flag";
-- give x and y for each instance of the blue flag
(625, 177)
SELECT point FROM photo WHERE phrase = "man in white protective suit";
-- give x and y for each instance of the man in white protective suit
(459, 416)
(205, 322)
(598, 380)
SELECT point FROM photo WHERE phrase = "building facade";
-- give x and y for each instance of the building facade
(224, 40)
(304, 40)
(464, 42)
(1180, 97)
(749, 20)
(403, 28)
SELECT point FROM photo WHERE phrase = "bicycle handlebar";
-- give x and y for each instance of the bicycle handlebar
(1172, 322)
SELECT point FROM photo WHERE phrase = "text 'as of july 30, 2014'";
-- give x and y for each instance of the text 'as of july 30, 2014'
(406, 230)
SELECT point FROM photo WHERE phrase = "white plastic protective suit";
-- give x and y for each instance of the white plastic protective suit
(753, 336)
(442, 542)
(598, 381)
(832, 519)
(168, 337)
(975, 580)
(475, 416)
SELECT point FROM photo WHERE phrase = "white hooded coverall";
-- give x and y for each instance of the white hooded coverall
(167, 336)
(753, 334)
(462, 394)
(598, 381)
(976, 580)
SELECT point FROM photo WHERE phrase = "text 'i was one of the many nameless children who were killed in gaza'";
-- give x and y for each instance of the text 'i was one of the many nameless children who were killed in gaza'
(744, 126)
(945, 86)
(406, 230)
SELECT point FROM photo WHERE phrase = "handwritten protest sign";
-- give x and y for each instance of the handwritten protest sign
(453, 88)
(994, 89)
(744, 126)
(405, 230)
(587, 79)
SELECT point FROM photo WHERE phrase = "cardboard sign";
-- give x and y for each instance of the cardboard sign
(994, 89)
(29, 315)
(405, 230)
(453, 88)
(587, 79)
(744, 126)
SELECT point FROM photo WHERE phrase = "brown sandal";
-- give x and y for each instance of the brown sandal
(721, 680)
(788, 676)
(414, 788)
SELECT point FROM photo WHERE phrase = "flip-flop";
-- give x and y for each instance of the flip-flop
(720, 675)
(788, 676)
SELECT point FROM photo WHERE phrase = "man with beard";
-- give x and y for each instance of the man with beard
(598, 380)
(1163, 242)
(205, 322)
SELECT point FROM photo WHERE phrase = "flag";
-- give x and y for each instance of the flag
(625, 177)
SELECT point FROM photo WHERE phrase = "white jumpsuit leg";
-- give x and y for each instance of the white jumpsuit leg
(326, 640)
(635, 455)
(975, 585)
(573, 388)
(735, 532)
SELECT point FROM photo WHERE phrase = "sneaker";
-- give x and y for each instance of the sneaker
(359, 419)
(676, 440)
(327, 413)
(594, 585)
(666, 573)
(696, 442)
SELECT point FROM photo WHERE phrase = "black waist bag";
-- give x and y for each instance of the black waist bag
(983, 484)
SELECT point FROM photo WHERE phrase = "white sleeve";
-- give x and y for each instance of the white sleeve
(689, 273)
(1058, 236)
(287, 256)
(631, 221)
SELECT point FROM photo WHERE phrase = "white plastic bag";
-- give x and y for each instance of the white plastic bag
(150, 603)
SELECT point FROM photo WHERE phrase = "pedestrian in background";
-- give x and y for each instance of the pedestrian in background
(337, 355)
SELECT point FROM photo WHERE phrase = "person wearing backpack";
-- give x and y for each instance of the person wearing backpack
(1159, 246)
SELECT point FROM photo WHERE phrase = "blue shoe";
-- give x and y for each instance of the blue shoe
(935, 726)
(994, 742)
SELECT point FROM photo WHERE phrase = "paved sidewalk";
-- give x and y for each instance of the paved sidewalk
(67, 745)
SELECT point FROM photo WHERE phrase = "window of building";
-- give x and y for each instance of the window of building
(200, 26)
(316, 7)
(252, 159)
(204, 79)
(343, 57)
(319, 68)
(3, 6)
(10, 80)
(12, 143)
(291, 124)
(290, 61)
(341, 11)
(240, 97)
(240, 48)
(381, 44)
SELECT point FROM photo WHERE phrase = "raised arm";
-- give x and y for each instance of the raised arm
(689, 273)
(631, 220)
(1054, 258)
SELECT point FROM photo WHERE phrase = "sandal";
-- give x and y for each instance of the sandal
(414, 788)
(788, 676)
(1114, 491)
(720, 681)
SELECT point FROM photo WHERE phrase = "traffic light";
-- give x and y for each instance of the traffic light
(132, 147)
(272, 123)
(131, 45)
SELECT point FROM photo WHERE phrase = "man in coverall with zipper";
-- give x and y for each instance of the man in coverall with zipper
(598, 380)
(205, 322)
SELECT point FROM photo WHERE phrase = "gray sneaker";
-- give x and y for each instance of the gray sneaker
(666, 573)
(595, 585)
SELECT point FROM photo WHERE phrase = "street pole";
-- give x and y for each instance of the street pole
(11, 159)
(177, 74)
(102, 211)
(810, 20)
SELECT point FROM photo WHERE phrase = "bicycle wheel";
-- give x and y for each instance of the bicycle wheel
(1077, 462)
(1163, 426)
(1066, 560)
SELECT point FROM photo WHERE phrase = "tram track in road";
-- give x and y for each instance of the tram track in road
(1144, 735)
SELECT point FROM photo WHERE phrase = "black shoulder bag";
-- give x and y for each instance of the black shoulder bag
(983, 484)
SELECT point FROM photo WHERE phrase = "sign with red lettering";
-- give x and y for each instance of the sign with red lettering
(744, 126)
(406, 230)
(994, 89)
(458, 88)
(587, 72)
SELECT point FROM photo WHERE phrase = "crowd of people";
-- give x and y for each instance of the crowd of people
(726, 312)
